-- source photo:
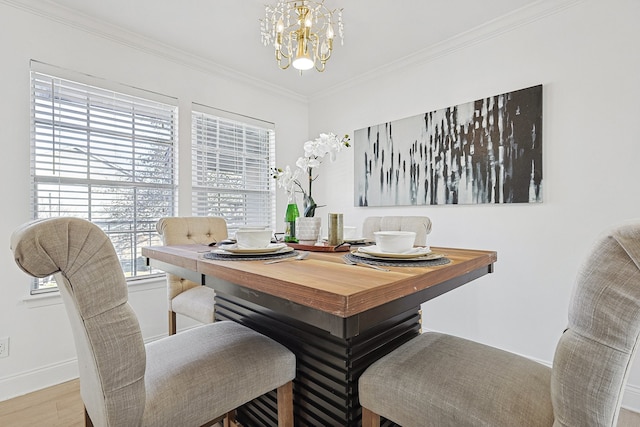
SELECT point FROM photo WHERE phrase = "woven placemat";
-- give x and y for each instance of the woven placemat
(243, 257)
(392, 262)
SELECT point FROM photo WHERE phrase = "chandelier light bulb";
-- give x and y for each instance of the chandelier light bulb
(330, 31)
(303, 60)
(303, 63)
(324, 49)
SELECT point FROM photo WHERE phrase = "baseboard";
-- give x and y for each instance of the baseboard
(37, 379)
(43, 377)
(631, 398)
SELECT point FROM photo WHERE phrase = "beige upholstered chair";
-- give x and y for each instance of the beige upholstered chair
(440, 380)
(186, 297)
(421, 225)
(187, 379)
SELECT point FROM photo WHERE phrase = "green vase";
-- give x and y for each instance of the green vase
(290, 223)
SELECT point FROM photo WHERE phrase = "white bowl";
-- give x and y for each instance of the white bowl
(396, 242)
(253, 238)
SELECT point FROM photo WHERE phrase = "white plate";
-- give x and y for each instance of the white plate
(425, 257)
(413, 253)
(234, 249)
(355, 240)
(254, 254)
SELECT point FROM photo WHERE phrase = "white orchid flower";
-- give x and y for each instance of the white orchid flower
(287, 180)
(314, 163)
(302, 163)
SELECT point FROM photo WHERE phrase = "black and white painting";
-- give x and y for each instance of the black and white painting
(485, 151)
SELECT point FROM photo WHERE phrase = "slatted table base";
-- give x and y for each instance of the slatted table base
(328, 367)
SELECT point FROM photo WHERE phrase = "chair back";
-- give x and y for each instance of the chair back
(185, 231)
(594, 354)
(421, 225)
(109, 344)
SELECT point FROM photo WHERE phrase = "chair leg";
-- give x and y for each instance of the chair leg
(230, 419)
(87, 419)
(369, 418)
(172, 322)
(285, 405)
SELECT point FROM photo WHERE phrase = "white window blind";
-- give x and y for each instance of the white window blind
(104, 156)
(231, 160)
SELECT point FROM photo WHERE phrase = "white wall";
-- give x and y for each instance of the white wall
(42, 352)
(587, 58)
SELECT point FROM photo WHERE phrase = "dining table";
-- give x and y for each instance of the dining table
(337, 317)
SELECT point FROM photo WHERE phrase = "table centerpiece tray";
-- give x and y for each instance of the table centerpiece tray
(345, 247)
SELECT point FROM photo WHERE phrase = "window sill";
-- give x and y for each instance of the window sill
(54, 298)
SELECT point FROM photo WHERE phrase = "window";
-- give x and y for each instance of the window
(104, 156)
(231, 159)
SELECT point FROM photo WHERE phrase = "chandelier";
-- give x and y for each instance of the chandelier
(301, 33)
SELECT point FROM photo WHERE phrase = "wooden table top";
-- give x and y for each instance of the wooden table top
(323, 281)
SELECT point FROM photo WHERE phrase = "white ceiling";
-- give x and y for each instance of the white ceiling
(226, 33)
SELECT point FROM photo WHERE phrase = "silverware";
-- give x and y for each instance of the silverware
(223, 242)
(338, 245)
(362, 264)
(301, 256)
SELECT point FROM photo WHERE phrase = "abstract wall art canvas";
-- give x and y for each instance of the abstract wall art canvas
(480, 152)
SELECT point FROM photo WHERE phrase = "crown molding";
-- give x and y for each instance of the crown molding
(133, 40)
(504, 24)
(494, 28)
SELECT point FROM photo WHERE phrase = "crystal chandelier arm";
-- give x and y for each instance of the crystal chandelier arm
(283, 50)
(279, 56)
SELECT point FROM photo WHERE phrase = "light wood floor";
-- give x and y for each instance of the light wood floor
(60, 406)
(55, 406)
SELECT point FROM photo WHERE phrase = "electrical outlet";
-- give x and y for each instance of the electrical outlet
(4, 347)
